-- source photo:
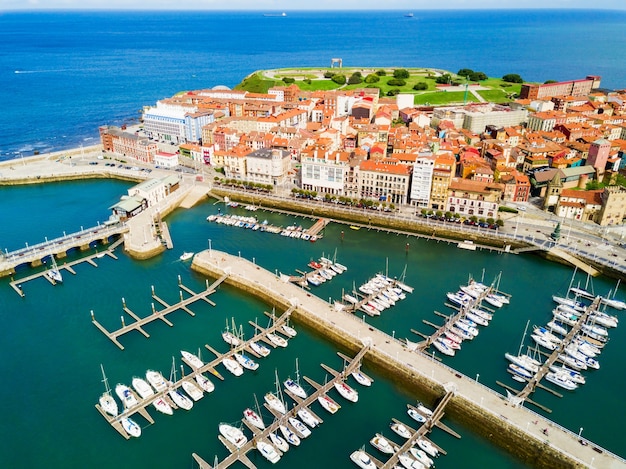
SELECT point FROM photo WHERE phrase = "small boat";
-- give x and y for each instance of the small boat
(408, 462)
(185, 256)
(400, 430)
(493, 300)
(131, 427)
(415, 415)
(193, 361)
(127, 397)
(192, 390)
(276, 339)
(471, 330)
(107, 401)
(603, 319)
(252, 417)
(232, 366)
(424, 410)
(180, 399)
(595, 330)
(525, 361)
(476, 318)
(361, 459)
(259, 349)
(299, 427)
(315, 265)
(361, 378)
(54, 273)
(574, 375)
(350, 299)
(572, 362)
(545, 343)
(314, 280)
(233, 434)
(454, 345)
(156, 380)
(246, 361)
(354, 227)
(561, 380)
(569, 302)
(162, 406)
(557, 327)
(421, 457)
(452, 336)
(520, 371)
(328, 404)
(293, 387)
(230, 338)
(403, 286)
(577, 291)
(307, 417)
(409, 15)
(279, 441)
(204, 382)
(346, 391)
(268, 451)
(443, 348)
(341, 267)
(290, 331)
(142, 387)
(613, 303)
(275, 403)
(428, 447)
(290, 436)
(546, 334)
(382, 444)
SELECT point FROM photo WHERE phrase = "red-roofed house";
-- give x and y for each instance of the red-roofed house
(386, 180)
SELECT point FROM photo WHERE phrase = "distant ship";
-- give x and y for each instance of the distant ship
(409, 15)
(275, 14)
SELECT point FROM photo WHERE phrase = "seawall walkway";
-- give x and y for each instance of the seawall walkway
(515, 428)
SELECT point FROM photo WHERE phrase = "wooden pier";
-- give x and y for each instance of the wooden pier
(240, 454)
(17, 284)
(317, 227)
(139, 322)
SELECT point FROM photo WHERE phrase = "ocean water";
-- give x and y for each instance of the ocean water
(52, 353)
(63, 74)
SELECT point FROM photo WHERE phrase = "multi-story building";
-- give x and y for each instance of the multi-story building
(167, 122)
(443, 172)
(324, 172)
(474, 198)
(385, 181)
(476, 117)
(128, 144)
(268, 166)
(613, 209)
(422, 180)
(565, 88)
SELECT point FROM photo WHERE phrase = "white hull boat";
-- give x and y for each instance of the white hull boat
(192, 360)
(131, 427)
(361, 459)
(561, 380)
(279, 442)
(382, 444)
(428, 447)
(307, 417)
(268, 452)
(156, 380)
(443, 348)
(290, 331)
(545, 343)
(421, 456)
(328, 404)
(204, 383)
(415, 415)
(233, 434)
(400, 430)
(346, 391)
(162, 406)
(289, 436)
(275, 403)
(361, 378)
(276, 340)
(525, 361)
(259, 349)
(246, 361)
(127, 397)
(230, 338)
(192, 390)
(253, 418)
(520, 371)
(299, 427)
(108, 404)
(142, 388)
(232, 366)
(185, 256)
(180, 399)
(295, 388)
(573, 375)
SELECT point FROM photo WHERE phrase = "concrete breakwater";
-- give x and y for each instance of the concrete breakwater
(473, 405)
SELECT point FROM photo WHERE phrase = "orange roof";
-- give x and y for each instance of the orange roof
(391, 167)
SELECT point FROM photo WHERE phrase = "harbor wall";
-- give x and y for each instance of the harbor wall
(497, 429)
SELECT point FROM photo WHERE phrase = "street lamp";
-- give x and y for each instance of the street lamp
(477, 376)
(580, 432)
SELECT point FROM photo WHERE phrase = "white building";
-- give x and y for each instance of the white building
(324, 173)
(268, 166)
(154, 190)
(422, 180)
(166, 160)
(167, 121)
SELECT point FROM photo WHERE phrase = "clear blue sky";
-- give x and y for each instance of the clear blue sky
(287, 5)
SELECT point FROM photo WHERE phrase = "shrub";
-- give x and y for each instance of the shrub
(477, 76)
(289, 80)
(512, 78)
(339, 79)
(329, 74)
(354, 79)
(396, 82)
(381, 73)
(465, 72)
(420, 86)
(307, 81)
(401, 73)
(443, 79)
(372, 78)
(393, 92)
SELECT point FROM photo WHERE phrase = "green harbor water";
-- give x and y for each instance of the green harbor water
(52, 353)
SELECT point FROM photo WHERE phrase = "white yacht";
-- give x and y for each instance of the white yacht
(185, 256)
(361, 459)
(525, 361)
(415, 415)
(561, 380)
(382, 444)
(259, 349)
(307, 417)
(162, 406)
(443, 348)
(246, 361)
(232, 366)
(255, 419)
(233, 434)
(408, 462)
(180, 399)
(131, 427)
(290, 436)
(192, 390)
(400, 430)
(295, 388)
(346, 391)
(278, 441)
(275, 403)
(361, 378)
(230, 338)
(107, 401)
(204, 383)
(290, 331)
(192, 360)
(142, 387)
(421, 457)
(276, 339)
(328, 404)
(299, 427)
(156, 380)
(428, 447)
(268, 451)
(127, 397)
(545, 343)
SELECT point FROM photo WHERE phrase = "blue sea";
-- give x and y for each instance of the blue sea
(63, 74)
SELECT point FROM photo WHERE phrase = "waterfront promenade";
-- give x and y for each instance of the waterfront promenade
(507, 425)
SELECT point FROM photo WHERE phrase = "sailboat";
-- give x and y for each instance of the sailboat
(275, 401)
(53, 272)
(178, 397)
(525, 361)
(293, 386)
(254, 417)
(107, 401)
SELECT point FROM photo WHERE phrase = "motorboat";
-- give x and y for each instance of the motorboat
(443, 348)
(361, 378)
(325, 274)
(572, 362)
(290, 331)
(162, 406)
(421, 456)
(307, 417)
(561, 380)
(545, 343)
(424, 410)
(369, 309)
(452, 336)
(574, 375)
(246, 361)
(361, 459)
(415, 415)
(156, 380)
(346, 391)
(204, 383)
(278, 441)
(142, 387)
(192, 360)
(299, 427)
(460, 298)
(476, 318)
(520, 371)
(557, 327)
(382, 444)
(350, 298)
(546, 334)
(471, 330)
(107, 401)
(315, 265)
(276, 339)
(259, 349)
(127, 397)
(180, 399)
(289, 436)
(232, 366)
(295, 388)
(450, 343)
(252, 417)
(230, 338)
(408, 462)
(275, 403)
(130, 427)
(313, 280)
(185, 256)
(525, 361)
(428, 447)
(233, 434)
(328, 404)
(400, 430)
(192, 390)
(268, 451)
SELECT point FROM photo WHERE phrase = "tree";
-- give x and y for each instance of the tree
(289, 80)
(339, 79)
(372, 78)
(465, 72)
(329, 74)
(396, 82)
(477, 76)
(381, 73)
(393, 92)
(513, 78)
(401, 73)
(547, 82)
(443, 79)
(355, 79)
(420, 86)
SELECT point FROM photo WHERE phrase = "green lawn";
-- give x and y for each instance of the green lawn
(443, 97)
(495, 96)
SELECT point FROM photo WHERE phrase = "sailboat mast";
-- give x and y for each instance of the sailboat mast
(519, 352)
